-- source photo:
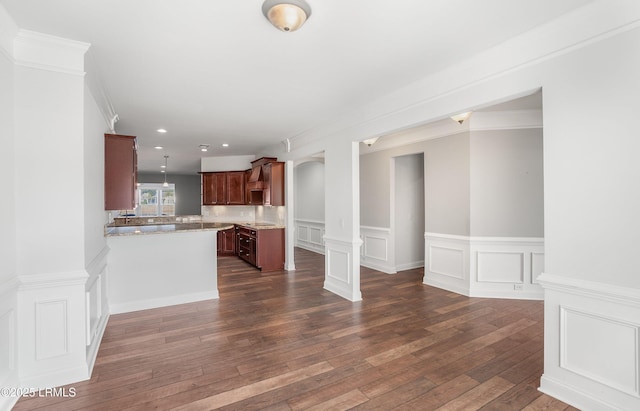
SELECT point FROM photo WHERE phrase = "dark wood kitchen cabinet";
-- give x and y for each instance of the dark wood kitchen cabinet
(265, 182)
(273, 194)
(227, 242)
(223, 188)
(120, 172)
(263, 249)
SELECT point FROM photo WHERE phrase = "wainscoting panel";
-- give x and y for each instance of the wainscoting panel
(500, 267)
(592, 346)
(447, 261)
(447, 264)
(491, 267)
(97, 305)
(310, 235)
(377, 250)
(51, 329)
(342, 265)
(537, 266)
(583, 335)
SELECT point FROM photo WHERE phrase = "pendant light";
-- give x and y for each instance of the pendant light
(165, 184)
(286, 15)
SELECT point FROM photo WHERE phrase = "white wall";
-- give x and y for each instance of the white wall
(309, 191)
(409, 211)
(506, 197)
(94, 214)
(226, 163)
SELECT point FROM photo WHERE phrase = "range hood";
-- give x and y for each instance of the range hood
(256, 178)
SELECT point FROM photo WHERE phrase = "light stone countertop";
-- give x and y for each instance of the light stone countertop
(164, 228)
(175, 227)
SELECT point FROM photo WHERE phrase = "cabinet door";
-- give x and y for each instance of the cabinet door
(274, 184)
(208, 189)
(229, 241)
(213, 188)
(235, 181)
(120, 172)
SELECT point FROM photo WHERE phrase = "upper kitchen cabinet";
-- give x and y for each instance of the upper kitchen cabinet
(120, 172)
(273, 193)
(223, 188)
(265, 185)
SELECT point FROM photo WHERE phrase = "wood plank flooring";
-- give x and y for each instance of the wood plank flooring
(278, 341)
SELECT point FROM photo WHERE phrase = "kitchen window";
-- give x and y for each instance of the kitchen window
(156, 200)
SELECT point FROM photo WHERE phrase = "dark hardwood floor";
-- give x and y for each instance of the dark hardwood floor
(278, 341)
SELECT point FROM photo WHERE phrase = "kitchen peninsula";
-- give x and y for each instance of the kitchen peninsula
(156, 265)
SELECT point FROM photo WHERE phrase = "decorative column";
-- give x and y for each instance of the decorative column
(342, 220)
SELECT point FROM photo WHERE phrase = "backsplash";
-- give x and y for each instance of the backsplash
(258, 214)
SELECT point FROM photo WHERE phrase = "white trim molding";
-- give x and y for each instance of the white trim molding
(51, 53)
(342, 267)
(592, 343)
(493, 267)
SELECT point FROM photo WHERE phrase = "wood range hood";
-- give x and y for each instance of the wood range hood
(256, 180)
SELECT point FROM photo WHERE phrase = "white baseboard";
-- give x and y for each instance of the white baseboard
(409, 266)
(572, 395)
(378, 267)
(119, 308)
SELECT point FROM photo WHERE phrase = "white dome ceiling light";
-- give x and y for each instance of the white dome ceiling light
(286, 15)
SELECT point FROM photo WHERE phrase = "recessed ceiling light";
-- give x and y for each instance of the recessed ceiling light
(204, 147)
(162, 130)
(158, 147)
(163, 166)
(162, 171)
(225, 144)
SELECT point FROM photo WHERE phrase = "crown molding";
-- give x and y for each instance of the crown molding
(8, 32)
(505, 120)
(479, 121)
(51, 53)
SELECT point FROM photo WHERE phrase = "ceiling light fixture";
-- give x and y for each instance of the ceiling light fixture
(165, 184)
(370, 141)
(158, 147)
(225, 144)
(286, 15)
(462, 117)
(162, 130)
(204, 147)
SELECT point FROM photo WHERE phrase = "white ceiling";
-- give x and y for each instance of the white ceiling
(213, 71)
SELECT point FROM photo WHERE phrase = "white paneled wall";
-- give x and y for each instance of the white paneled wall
(310, 235)
(592, 343)
(96, 305)
(485, 266)
(377, 249)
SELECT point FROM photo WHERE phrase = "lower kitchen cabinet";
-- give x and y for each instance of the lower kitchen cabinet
(227, 242)
(262, 248)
